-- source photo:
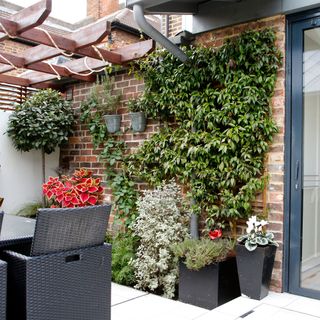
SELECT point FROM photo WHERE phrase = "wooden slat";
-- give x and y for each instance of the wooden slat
(26, 19)
(91, 34)
(42, 67)
(14, 80)
(32, 16)
(41, 37)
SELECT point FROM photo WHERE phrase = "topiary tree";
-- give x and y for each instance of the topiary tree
(42, 122)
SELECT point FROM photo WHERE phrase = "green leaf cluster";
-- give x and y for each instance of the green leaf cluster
(124, 246)
(198, 253)
(220, 101)
(42, 122)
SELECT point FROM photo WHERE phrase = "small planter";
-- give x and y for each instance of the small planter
(113, 122)
(138, 121)
(255, 270)
(210, 286)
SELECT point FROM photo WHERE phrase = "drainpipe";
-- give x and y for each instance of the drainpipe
(148, 29)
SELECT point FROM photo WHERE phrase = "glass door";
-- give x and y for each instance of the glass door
(304, 256)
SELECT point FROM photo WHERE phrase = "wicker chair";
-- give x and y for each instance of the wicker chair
(3, 289)
(66, 274)
(1, 218)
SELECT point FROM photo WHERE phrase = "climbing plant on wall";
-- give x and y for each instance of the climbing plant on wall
(220, 101)
(112, 148)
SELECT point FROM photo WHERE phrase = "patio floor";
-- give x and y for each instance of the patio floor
(128, 303)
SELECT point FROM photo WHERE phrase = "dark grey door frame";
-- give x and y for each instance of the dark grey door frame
(296, 24)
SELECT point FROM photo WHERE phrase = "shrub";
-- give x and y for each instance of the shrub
(197, 254)
(42, 122)
(124, 246)
(160, 223)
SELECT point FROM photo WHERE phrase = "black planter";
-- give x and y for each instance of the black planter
(255, 270)
(210, 286)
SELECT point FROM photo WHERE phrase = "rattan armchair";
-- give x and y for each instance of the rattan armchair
(66, 274)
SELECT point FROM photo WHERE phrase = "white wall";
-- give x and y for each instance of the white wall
(20, 172)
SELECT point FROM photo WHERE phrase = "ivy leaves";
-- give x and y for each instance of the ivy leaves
(220, 102)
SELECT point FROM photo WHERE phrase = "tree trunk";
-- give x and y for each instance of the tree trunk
(43, 174)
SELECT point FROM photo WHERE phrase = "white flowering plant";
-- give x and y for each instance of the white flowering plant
(161, 223)
(256, 235)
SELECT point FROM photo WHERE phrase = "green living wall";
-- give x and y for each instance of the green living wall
(218, 122)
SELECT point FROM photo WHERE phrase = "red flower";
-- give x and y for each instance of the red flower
(214, 234)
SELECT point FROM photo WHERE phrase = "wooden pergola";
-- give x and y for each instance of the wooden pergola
(81, 47)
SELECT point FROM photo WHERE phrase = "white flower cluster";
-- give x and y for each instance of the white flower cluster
(255, 225)
(256, 235)
(159, 225)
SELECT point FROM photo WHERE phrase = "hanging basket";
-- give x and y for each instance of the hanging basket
(138, 121)
(113, 122)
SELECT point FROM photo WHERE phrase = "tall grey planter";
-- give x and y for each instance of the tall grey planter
(113, 122)
(138, 121)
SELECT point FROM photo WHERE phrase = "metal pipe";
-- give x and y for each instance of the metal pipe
(155, 34)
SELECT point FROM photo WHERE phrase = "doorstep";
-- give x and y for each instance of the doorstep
(128, 303)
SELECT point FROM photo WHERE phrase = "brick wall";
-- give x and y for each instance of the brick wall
(174, 24)
(101, 8)
(275, 160)
(79, 152)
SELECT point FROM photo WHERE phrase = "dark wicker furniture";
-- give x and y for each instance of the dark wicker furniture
(66, 275)
(3, 289)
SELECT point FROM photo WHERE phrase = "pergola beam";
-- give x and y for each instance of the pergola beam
(139, 50)
(44, 67)
(14, 80)
(25, 19)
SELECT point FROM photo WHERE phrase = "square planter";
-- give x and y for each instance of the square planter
(68, 285)
(210, 286)
(255, 270)
(3, 289)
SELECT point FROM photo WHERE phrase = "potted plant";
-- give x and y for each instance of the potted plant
(255, 258)
(79, 190)
(108, 103)
(208, 274)
(42, 122)
(137, 115)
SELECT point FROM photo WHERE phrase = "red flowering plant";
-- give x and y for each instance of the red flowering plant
(79, 190)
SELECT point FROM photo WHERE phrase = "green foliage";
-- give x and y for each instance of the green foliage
(125, 198)
(30, 209)
(220, 102)
(137, 105)
(160, 223)
(197, 254)
(112, 148)
(124, 246)
(42, 122)
(100, 101)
